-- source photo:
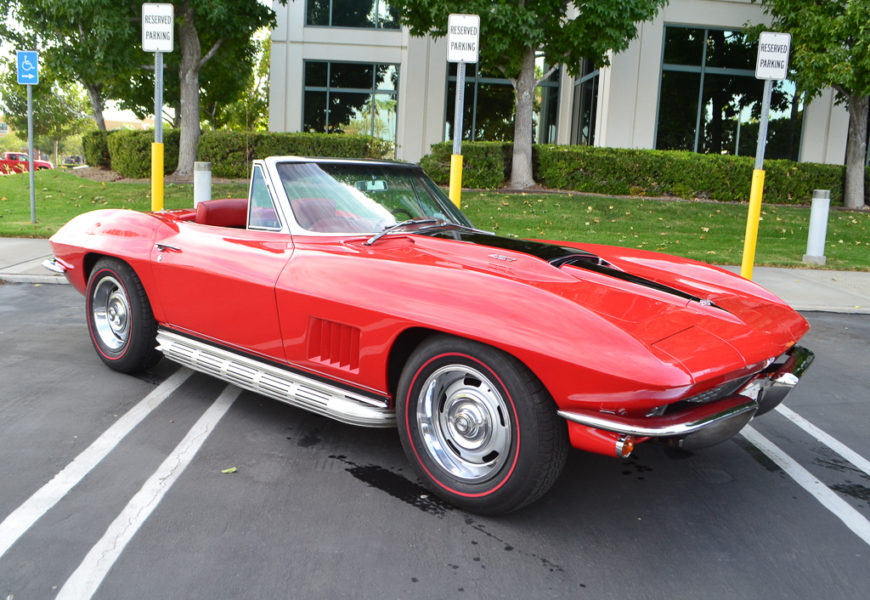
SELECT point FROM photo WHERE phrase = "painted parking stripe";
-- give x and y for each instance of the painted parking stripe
(832, 443)
(827, 497)
(85, 580)
(23, 517)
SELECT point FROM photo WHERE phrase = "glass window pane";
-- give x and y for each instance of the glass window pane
(351, 76)
(314, 118)
(678, 111)
(349, 113)
(495, 112)
(725, 97)
(388, 17)
(318, 12)
(683, 46)
(353, 13)
(729, 49)
(384, 117)
(387, 77)
(263, 214)
(315, 73)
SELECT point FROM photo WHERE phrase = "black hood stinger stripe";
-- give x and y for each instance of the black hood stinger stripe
(560, 256)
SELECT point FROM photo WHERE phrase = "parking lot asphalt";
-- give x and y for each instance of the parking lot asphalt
(804, 289)
(176, 485)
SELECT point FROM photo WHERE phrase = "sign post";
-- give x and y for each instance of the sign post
(28, 74)
(463, 46)
(158, 36)
(771, 64)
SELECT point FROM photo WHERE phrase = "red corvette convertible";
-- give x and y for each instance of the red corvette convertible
(356, 290)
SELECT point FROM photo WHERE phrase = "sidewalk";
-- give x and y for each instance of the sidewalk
(804, 289)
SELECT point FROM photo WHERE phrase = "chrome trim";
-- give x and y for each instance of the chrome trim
(277, 383)
(55, 265)
(669, 425)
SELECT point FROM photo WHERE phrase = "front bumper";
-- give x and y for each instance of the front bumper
(708, 423)
(56, 265)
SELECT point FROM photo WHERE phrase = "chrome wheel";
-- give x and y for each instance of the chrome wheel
(110, 311)
(464, 423)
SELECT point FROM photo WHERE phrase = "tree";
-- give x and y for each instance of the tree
(830, 47)
(223, 19)
(514, 32)
(58, 111)
(92, 41)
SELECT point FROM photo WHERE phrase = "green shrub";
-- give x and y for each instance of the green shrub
(231, 152)
(485, 165)
(130, 152)
(96, 149)
(681, 173)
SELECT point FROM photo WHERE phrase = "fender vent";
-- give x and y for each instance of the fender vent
(334, 344)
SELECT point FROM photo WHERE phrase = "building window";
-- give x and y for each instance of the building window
(343, 97)
(376, 14)
(488, 113)
(586, 105)
(710, 101)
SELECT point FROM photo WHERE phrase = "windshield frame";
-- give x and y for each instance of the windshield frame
(419, 183)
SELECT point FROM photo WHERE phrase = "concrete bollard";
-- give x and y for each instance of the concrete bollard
(818, 227)
(201, 182)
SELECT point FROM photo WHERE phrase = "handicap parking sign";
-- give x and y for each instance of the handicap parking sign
(28, 67)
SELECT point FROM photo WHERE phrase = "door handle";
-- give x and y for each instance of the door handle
(167, 248)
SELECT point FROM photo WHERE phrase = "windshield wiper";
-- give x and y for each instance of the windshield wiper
(453, 227)
(399, 225)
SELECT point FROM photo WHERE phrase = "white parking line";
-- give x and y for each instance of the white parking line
(23, 518)
(827, 497)
(835, 445)
(85, 580)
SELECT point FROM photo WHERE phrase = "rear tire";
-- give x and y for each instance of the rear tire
(120, 322)
(478, 426)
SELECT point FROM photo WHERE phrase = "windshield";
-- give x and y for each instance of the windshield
(362, 198)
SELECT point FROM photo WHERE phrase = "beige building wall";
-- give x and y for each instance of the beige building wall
(629, 88)
(422, 74)
(627, 95)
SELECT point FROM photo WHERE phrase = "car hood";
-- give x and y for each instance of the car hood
(688, 313)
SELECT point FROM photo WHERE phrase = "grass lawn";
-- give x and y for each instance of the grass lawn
(707, 231)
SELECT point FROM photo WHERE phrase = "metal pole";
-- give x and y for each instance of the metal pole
(757, 189)
(157, 146)
(456, 159)
(30, 151)
(762, 126)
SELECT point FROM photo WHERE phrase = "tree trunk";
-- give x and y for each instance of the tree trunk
(856, 151)
(521, 165)
(95, 95)
(189, 75)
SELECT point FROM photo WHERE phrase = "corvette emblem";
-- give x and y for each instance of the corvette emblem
(501, 257)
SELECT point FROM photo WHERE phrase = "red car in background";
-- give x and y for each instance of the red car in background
(357, 290)
(19, 162)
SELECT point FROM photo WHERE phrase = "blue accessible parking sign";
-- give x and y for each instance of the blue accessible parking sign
(28, 67)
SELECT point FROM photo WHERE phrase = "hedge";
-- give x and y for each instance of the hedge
(230, 152)
(130, 151)
(96, 149)
(620, 171)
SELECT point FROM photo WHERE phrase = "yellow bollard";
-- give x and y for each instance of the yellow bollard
(156, 176)
(752, 219)
(456, 178)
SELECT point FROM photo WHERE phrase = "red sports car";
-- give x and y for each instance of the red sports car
(357, 290)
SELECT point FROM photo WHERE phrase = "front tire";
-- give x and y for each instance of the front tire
(121, 324)
(478, 427)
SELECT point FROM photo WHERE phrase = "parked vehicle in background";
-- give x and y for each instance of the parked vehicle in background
(19, 162)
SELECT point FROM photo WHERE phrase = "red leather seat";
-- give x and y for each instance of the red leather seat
(223, 212)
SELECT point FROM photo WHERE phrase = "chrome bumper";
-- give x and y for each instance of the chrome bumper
(712, 422)
(55, 265)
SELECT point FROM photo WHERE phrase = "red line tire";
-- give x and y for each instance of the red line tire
(478, 427)
(120, 322)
